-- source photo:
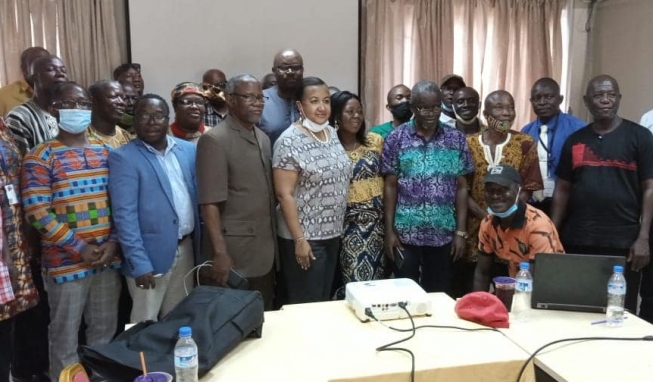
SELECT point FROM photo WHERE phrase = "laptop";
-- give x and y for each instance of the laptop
(571, 282)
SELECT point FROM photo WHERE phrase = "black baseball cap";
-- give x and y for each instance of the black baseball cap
(503, 175)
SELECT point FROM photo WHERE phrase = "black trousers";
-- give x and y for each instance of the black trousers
(463, 278)
(315, 283)
(633, 278)
(6, 346)
(431, 267)
(30, 354)
(646, 291)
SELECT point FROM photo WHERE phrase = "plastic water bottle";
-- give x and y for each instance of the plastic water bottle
(614, 314)
(521, 305)
(186, 356)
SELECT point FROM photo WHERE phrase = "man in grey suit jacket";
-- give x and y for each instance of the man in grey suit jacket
(154, 203)
(234, 175)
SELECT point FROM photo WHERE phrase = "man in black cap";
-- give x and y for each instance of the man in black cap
(450, 84)
(512, 232)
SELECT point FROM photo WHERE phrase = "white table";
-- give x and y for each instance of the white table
(586, 361)
(327, 342)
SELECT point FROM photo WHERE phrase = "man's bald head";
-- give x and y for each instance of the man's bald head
(601, 79)
(398, 90)
(287, 54)
(215, 77)
(548, 83)
(495, 97)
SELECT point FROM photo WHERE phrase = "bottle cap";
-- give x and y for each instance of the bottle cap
(185, 331)
(524, 265)
(618, 269)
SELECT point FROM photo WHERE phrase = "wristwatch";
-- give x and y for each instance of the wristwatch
(462, 234)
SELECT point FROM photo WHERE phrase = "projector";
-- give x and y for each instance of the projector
(382, 298)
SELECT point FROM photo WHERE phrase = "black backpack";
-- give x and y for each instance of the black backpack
(220, 318)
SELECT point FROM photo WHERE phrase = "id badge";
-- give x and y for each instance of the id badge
(549, 186)
(11, 194)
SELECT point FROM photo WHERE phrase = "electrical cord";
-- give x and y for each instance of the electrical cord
(388, 347)
(530, 358)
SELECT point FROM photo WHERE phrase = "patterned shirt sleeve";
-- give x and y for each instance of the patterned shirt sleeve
(285, 155)
(467, 163)
(543, 238)
(37, 201)
(390, 154)
(21, 134)
(484, 236)
(530, 166)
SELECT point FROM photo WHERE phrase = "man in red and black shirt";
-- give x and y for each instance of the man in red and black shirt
(190, 104)
(603, 200)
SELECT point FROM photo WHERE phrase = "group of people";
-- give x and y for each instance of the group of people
(108, 206)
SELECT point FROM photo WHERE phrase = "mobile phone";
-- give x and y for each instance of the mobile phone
(398, 257)
(237, 280)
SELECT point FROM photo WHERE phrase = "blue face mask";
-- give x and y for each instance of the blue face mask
(74, 121)
(506, 213)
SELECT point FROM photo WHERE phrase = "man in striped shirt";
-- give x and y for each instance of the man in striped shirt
(65, 196)
(30, 123)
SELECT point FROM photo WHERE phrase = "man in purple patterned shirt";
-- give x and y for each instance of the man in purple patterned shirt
(425, 193)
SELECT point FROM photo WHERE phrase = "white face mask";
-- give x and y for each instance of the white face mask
(312, 126)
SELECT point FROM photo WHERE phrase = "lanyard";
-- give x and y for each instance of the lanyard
(549, 149)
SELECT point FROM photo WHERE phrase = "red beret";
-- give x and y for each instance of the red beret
(483, 308)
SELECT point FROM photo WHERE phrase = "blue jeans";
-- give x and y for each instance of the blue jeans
(431, 267)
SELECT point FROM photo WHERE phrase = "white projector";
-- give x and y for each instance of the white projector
(382, 298)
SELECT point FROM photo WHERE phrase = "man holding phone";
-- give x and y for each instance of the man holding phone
(425, 193)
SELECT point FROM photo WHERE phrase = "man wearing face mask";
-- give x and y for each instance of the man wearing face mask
(495, 145)
(65, 194)
(512, 232)
(451, 83)
(466, 103)
(399, 106)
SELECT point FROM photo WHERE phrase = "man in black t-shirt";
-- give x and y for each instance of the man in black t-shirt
(603, 200)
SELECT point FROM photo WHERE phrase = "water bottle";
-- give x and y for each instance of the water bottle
(521, 305)
(614, 314)
(186, 356)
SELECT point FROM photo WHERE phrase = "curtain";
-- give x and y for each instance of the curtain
(396, 50)
(83, 32)
(493, 44)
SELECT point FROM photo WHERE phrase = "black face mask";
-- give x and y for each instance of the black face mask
(401, 112)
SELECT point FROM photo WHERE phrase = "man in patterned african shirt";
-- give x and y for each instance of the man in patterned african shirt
(512, 232)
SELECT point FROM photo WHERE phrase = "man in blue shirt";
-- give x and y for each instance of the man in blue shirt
(550, 130)
(280, 110)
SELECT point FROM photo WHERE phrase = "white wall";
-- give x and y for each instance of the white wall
(177, 41)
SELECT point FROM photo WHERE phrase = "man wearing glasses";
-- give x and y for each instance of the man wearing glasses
(189, 104)
(234, 177)
(425, 193)
(154, 205)
(280, 110)
(550, 130)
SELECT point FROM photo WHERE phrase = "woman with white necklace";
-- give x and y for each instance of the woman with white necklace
(497, 144)
(311, 173)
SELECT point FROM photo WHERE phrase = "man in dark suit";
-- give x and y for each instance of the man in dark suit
(234, 176)
(154, 201)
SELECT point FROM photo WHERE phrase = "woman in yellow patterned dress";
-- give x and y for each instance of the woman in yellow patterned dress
(361, 252)
(497, 144)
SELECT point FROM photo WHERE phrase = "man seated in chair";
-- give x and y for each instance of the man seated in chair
(512, 232)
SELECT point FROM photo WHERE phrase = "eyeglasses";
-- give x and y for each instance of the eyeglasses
(290, 68)
(250, 98)
(158, 118)
(73, 104)
(191, 102)
(543, 97)
(428, 110)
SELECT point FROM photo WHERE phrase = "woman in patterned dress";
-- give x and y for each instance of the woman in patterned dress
(361, 250)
